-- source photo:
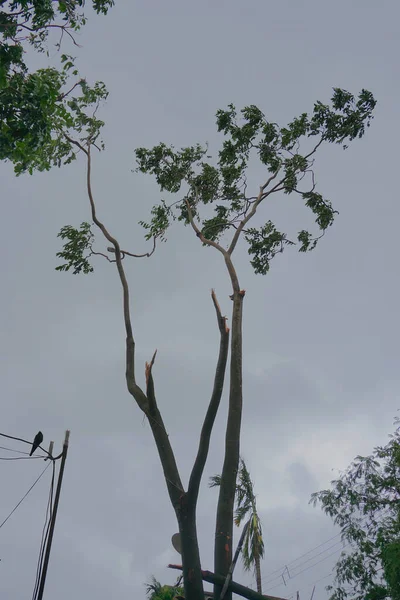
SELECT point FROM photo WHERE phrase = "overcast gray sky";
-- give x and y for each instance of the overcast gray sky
(321, 375)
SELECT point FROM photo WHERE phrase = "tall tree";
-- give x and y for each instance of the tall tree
(365, 503)
(246, 509)
(49, 116)
(217, 203)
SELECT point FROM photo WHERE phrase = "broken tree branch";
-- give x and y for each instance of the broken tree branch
(204, 444)
(234, 587)
(165, 452)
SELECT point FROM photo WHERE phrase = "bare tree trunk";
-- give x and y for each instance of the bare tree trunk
(224, 521)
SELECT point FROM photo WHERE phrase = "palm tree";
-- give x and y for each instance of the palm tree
(253, 544)
(156, 591)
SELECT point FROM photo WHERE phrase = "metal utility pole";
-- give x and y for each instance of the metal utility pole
(53, 517)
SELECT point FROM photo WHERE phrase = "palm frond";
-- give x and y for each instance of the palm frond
(246, 508)
(154, 587)
(215, 480)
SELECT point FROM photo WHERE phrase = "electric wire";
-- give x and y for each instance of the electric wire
(12, 450)
(321, 579)
(18, 439)
(21, 457)
(307, 568)
(282, 569)
(312, 583)
(25, 495)
(342, 545)
(50, 501)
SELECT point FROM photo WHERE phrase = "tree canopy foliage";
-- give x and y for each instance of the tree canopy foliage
(365, 503)
(287, 153)
(38, 109)
(220, 189)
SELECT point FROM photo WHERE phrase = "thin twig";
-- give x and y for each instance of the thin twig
(62, 96)
(145, 255)
(261, 196)
(63, 28)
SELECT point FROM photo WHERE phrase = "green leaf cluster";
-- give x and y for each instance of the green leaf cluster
(37, 109)
(391, 567)
(156, 591)
(222, 187)
(38, 114)
(30, 20)
(77, 250)
(246, 509)
(264, 243)
(365, 503)
(26, 22)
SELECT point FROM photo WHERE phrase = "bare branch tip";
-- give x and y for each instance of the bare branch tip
(148, 367)
(216, 303)
(153, 358)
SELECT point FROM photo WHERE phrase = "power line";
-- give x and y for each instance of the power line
(342, 545)
(25, 495)
(309, 567)
(12, 450)
(320, 579)
(285, 568)
(281, 570)
(21, 457)
(18, 439)
(312, 583)
(51, 508)
(46, 558)
(345, 545)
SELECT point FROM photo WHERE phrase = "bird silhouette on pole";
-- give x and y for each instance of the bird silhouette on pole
(36, 442)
